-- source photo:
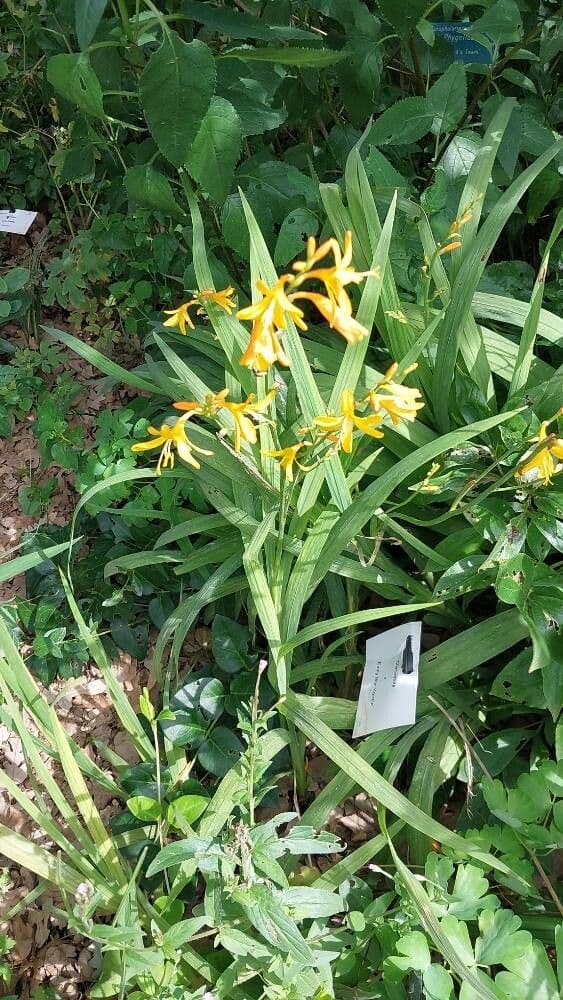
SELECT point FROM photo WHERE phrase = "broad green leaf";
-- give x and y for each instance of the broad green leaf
(447, 98)
(294, 232)
(151, 189)
(403, 122)
(500, 24)
(220, 751)
(213, 156)
(148, 810)
(72, 76)
(237, 24)
(403, 14)
(87, 16)
(176, 88)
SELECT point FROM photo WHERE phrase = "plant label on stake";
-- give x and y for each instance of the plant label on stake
(16, 221)
(390, 680)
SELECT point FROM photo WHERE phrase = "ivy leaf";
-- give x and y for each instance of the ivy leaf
(152, 189)
(448, 98)
(406, 121)
(176, 88)
(72, 76)
(530, 800)
(216, 149)
(414, 953)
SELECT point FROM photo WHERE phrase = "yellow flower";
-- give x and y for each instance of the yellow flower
(224, 298)
(288, 458)
(180, 317)
(336, 277)
(168, 438)
(400, 402)
(268, 316)
(542, 465)
(339, 317)
(454, 245)
(343, 425)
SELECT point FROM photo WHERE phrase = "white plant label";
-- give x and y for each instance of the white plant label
(390, 681)
(17, 221)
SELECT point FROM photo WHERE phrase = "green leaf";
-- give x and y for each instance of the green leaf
(187, 808)
(152, 189)
(448, 97)
(262, 907)
(294, 232)
(467, 280)
(531, 324)
(72, 76)
(220, 751)
(501, 941)
(236, 24)
(21, 564)
(176, 88)
(403, 14)
(530, 976)
(315, 58)
(403, 122)
(87, 16)
(414, 948)
(297, 709)
(216, 148)
(501, 23)
(148, 810)
(438, 984)
(229, 642)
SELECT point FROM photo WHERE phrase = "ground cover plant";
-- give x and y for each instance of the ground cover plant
(317, 244)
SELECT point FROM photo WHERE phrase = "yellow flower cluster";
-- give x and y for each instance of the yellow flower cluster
(173, 436)
(181, 318)
(269, 318)
(268, 314)
(390, 398)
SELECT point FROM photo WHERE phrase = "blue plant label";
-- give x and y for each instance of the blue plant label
(465, 49)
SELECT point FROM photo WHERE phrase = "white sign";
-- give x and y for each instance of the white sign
(390, 681)
(17, 221)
